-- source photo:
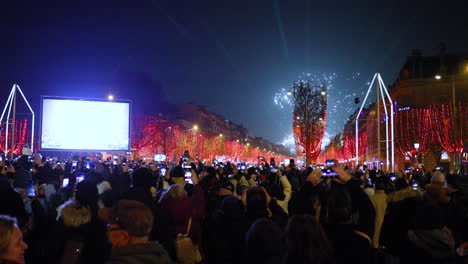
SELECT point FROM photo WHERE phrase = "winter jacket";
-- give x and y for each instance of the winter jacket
(80, 223)
(11, 203)
(362, 207)
(182, 209)
(43, 174)
(22, 178)
(429, 246)
(144, 253)
(397, 222)
(348, 245)
(403, 194)
(225, 235)
(303, 201)
(295, 178)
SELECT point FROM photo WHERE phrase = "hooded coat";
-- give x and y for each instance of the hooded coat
(79, 223)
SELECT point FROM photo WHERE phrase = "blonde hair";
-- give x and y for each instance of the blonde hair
(174, 192)
(7, 225)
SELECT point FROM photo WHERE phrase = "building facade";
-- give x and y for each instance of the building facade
(430, 97)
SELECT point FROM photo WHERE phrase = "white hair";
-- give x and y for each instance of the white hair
(438, 177)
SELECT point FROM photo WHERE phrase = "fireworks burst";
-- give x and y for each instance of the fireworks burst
(341, 92)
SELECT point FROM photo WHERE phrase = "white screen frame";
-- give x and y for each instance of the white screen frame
(79, 123)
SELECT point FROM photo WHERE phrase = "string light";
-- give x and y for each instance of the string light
(151, 136)
(432, 127)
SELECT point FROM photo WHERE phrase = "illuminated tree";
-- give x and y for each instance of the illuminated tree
(309, 118)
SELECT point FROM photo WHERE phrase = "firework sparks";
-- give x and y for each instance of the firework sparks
(341, 92)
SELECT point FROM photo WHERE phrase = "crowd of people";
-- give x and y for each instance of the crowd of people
(87, 210)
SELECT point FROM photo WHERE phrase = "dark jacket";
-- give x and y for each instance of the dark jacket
(295, 178)
(363, 207)
(22, 178)
(145, 253)
(213, 203)
(80, 223)
(43, 174)
(225, 233)
(349, 246)
(397, 223)
(303, 201)
(120, 182)
(163, 230)
(11, 203)
(430, 246)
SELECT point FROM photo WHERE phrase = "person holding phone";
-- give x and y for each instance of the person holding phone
(184, 208)
(41, 170)
(22, 176)
(350, 236)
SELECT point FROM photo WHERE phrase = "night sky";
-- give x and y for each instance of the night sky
(233, 56)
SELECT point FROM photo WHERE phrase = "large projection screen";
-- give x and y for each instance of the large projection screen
(78, 124)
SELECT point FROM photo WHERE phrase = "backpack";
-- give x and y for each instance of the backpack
(187, 251)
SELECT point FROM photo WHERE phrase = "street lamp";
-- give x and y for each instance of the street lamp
(289, 93)
(195, 127)
(323, 93)
(416, 146)
(110, 97)
(438, 77)
(220, 135)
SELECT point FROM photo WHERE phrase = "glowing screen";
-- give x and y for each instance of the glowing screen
(69, 124)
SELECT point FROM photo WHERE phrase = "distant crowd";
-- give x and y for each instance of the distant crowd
(88, 210)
